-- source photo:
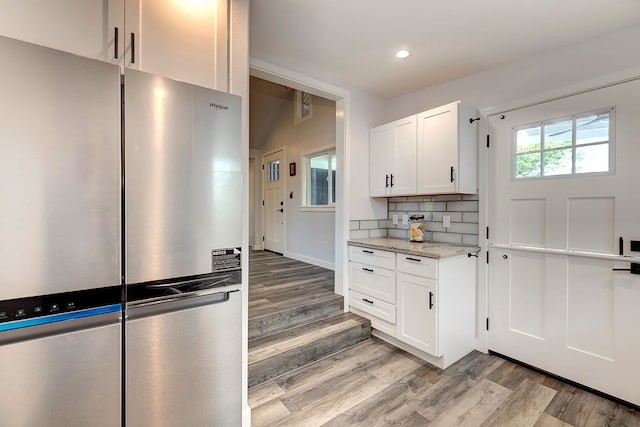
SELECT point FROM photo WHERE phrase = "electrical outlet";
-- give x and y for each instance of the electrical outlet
(405, 219)
(394, 219)
(446, 221)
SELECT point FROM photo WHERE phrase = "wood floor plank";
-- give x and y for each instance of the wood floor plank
(263, 393)
(547, 420)
(269, 413)
(475, 406)
(523, 407)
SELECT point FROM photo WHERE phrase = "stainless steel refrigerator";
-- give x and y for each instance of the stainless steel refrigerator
(182, 204)
(120, 239)
(60, 246)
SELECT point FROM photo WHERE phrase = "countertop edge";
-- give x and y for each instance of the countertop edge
(434, 250)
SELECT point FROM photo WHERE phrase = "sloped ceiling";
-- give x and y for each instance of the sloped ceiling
(266, 102)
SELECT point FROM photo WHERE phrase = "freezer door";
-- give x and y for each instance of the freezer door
(66, 374)
(183, 363)
(59, 171)
(183, 186)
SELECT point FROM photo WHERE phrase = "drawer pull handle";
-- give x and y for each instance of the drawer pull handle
(430, 300)
(367, 300)
(367, 252)
(413, 259)
(370, 270)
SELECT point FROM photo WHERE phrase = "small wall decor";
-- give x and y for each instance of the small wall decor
(292, 169)
(303, 109)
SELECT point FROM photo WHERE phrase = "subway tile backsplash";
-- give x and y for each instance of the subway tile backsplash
(463, 210)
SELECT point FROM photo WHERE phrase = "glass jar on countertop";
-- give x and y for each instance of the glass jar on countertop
(416, 228)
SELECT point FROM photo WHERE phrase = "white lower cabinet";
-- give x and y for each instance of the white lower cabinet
(418, 312)
(424, 305)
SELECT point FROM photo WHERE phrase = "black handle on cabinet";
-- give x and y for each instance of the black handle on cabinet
(430, 300)
(133, 48)
(115, 43)
(367, 252)
(413, 259)
(386, 181)
(392, 180)
(634, 269)
(370, 270)
(367, 300)
(451, 173)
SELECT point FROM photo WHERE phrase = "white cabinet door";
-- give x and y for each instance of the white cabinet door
(403, 180)
(393, 160)
(447, 150)
(186, 41)
(418, 312)
(85, 27)
(380, 156)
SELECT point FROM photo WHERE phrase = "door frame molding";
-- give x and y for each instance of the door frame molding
(342, 97)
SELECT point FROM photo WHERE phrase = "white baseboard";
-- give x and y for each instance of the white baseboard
(310, 260)
(246, 417)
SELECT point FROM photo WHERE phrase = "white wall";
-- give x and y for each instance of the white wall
(310, 236)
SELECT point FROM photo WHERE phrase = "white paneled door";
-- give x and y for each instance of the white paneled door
(273, 209)
(556, 218)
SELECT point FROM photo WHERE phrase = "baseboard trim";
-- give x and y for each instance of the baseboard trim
(310, 260)
(568, 381)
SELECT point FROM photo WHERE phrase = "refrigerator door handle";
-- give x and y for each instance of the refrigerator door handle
(179, 302)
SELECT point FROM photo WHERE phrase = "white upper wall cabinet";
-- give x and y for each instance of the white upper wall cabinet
(448, 150)
(392, 155)
(184, 40)
(84, 27)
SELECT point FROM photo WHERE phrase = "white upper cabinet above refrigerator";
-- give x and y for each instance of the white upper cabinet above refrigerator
(185, 41)
(448, 150)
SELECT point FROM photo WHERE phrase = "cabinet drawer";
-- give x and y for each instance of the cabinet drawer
(373, 257)
(374, 281)
(373, 306)
(418, 265)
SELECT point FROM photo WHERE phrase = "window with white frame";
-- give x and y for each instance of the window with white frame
(320, 179)
(579, 144)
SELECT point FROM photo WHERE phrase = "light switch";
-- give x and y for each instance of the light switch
(446, 221)
(394, 219)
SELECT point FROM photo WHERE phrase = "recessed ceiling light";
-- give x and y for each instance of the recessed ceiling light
(402, 54)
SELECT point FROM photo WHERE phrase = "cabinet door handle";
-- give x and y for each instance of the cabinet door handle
(451, 173)
(133, 48)
(367, 300)
(115, 43)
(413, 259)
(367, 252)
(430, 300)
(392, 180)
(386, 181)
(370, 270)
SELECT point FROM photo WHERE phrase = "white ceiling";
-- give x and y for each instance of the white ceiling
(353, 42)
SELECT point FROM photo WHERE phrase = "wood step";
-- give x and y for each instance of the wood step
(281, 316)
(273, 355)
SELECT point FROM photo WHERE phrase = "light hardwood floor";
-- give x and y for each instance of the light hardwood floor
(376, 384)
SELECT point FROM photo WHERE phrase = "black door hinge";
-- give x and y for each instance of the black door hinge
(487, 323)
(487, 233)
(263, 203)
(487, 141)
(487, 257)
(263, 238)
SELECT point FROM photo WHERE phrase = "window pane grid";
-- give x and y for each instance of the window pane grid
(574, 145)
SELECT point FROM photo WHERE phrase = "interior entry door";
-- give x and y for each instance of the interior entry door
(273, 201)
(555, 219)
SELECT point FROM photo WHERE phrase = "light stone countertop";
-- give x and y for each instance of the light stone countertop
(426, 249)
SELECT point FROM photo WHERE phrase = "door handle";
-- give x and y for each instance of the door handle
(386, 181)
(280, 210)
(430, 300)
(452, 174)
(133, 48)
(115, 43)
(392, 180)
